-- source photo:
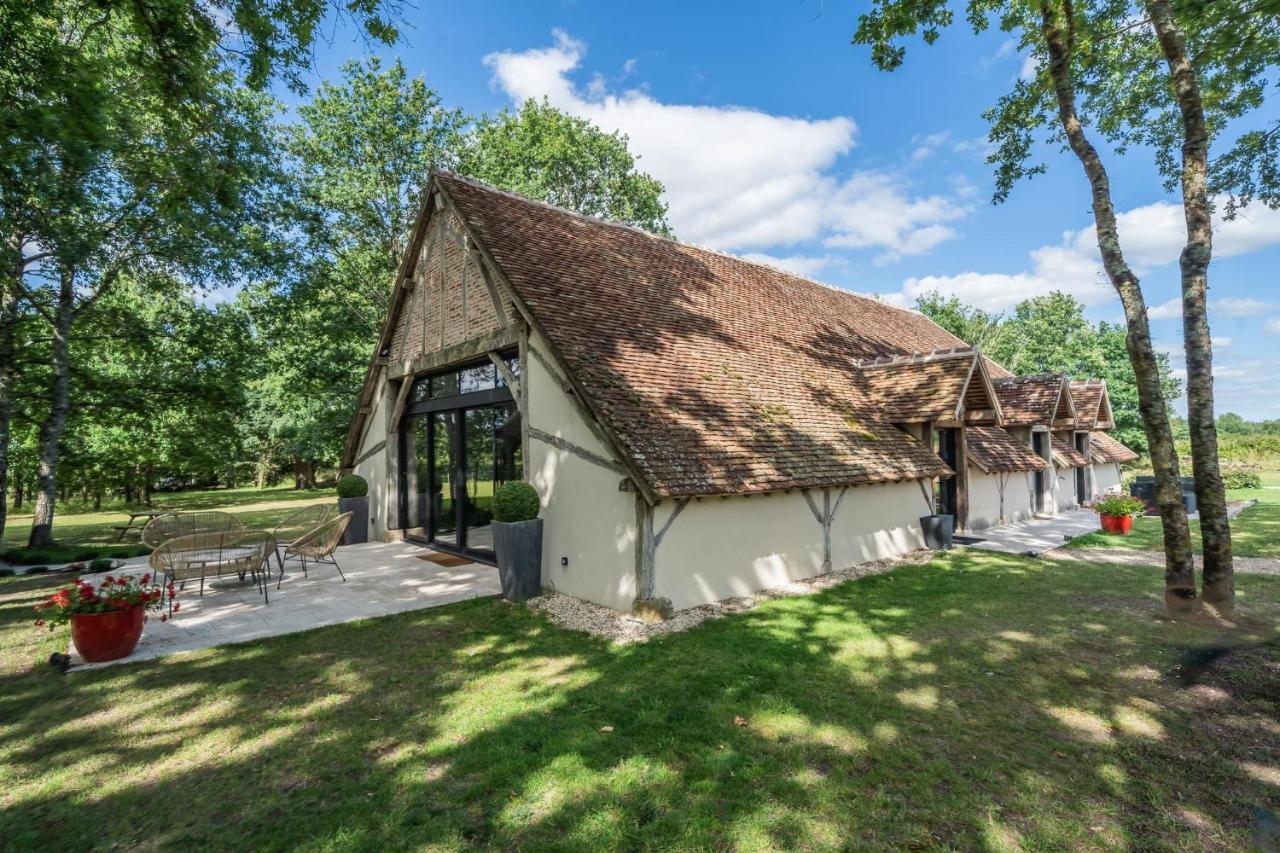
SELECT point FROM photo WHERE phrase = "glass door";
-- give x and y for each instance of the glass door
(444, 478)
(460, 441)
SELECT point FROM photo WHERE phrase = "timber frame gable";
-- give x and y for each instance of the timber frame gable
(505, 323)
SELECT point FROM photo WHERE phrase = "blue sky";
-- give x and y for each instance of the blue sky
(778, 140)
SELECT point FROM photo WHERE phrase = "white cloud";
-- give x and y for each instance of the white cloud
(739, 178)
(806, 265)
(1272, 326)
(1030, 67)
(1239, 306)
(1221, 342)
(1152, 236)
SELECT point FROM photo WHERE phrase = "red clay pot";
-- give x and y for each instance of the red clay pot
(1121, 524)
(107, 636)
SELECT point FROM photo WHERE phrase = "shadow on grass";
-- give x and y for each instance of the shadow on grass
(979, 701)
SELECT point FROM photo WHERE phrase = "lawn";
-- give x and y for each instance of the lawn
(78, 532)
(978, 701)
(1254, 533)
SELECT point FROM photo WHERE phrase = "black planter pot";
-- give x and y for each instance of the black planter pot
(358, 530)
(518, 546)
(938, 531)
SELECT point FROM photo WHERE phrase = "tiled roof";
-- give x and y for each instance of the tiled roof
(919, 388)
(1029, 400)
(1087, 397)
(1066, 456)
(715, 375)
(1105, 448)
(993, 450)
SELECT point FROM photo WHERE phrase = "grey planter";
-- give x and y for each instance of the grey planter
(939, 531)
(518, 546)
(358, 530)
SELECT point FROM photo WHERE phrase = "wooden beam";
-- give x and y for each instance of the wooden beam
(372, 451)
(514, 384)
(498, 340)
(962, 481)
(675, 513)
(489, 284)
(645, 548)
(571, 448)
(398, 409)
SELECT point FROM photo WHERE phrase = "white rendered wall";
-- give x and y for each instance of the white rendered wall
(725, 547)
(586, 518)
(1107, 477)
(376, 469)
(985, 507)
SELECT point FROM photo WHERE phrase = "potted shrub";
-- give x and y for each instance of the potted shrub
(353, 497)
(1117, 512)
(517, 540)
(105, 622)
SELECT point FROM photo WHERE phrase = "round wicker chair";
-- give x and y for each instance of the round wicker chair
(171, 525)
(298, 524)
(318, 545)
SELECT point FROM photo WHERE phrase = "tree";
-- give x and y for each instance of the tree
(361, 153)
(972, 325)
(543, 153)
(96, 96)
(1061, 36)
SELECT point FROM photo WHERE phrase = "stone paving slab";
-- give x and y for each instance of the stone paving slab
(382, 578)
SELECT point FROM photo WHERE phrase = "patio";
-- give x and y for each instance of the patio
(382, 578)
(1036, 535)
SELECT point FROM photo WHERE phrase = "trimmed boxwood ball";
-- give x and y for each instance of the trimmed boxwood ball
(515, 501)
(353, 486)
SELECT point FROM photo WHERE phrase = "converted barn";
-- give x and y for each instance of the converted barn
(697, 426)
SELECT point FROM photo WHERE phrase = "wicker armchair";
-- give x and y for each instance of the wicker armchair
(199, 555)
(319, 545)
(298, 524)
(171, 525)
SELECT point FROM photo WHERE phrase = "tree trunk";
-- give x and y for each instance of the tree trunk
(8, 319)
(19, 488)
(148, 478)
(51, 429)
(1215, 530)
(1179, 577)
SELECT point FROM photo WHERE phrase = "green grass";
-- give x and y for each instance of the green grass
(1254, 533)
(85, 535)
(978, 702)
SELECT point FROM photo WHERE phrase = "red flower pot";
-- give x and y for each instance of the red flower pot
(1121, 524)
(107, 636)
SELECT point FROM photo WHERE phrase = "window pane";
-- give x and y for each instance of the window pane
(478, 378)
(444, 385)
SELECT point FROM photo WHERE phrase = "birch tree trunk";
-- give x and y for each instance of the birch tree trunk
(59, 403)
(1179, 579)
(8, 319)
(1215, 530)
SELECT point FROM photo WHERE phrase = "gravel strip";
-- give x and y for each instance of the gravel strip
(578, 615)
(1122, 557)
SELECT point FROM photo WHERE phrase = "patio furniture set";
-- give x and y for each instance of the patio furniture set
(191, 545)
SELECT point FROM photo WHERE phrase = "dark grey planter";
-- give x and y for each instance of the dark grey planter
(518, 546)
(358, 530)
(939, 531)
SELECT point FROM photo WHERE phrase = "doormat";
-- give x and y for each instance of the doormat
(449, 561)
(967, 540)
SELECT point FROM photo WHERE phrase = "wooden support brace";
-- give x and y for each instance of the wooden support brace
(397, 411)
(510, 378)
(571, 448)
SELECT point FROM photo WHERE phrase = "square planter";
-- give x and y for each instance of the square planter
(518, 547)
(358, 531)
(939, 531)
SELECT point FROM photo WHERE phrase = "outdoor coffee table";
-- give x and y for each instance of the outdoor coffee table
(242, 553)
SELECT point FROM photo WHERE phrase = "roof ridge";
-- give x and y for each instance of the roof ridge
(917, 357)
(612, 223)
